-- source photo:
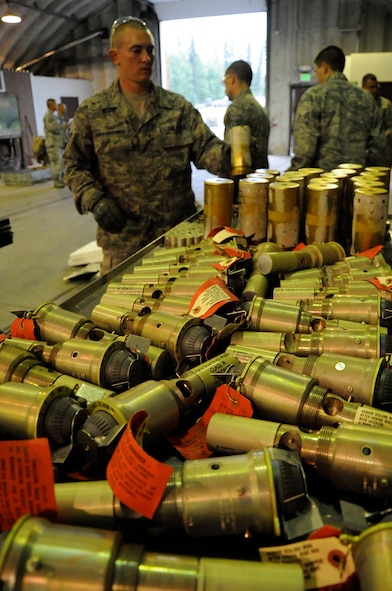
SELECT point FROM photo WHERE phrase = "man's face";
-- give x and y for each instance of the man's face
(133, 55)
(372, 87)
(228, 84)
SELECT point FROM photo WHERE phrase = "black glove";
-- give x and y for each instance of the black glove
(108, 215)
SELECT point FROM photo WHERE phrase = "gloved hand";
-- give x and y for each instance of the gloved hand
(108, 215)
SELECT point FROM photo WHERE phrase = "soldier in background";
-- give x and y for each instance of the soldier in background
(246, 110)
(336, 121)
(128, 159)
(64, 119)
(370, 83)
(54, 142)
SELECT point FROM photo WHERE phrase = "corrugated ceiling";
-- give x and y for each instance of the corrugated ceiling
(49, 25)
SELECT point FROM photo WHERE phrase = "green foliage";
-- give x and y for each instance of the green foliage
(200, 80)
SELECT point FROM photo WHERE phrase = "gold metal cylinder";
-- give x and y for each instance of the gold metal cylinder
(381, 172)
(218, 203)
(39, 554)
(283, 214)
(348, 376)
(321, 212)
(372, 556)
(256, 285)
(358, 168)
(269, 315)
(56, 325)
(294, 176)
(185, 338)
(365, 341)
(370, 213)
(366, 181)
(365, 309)
(252, 208)
(299, 402)
(24, 408)
(112, 318)
(241, 159)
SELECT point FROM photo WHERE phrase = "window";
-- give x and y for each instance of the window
(195, 53)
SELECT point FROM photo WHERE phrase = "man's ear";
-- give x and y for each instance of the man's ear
(113, 55)
(326, 67)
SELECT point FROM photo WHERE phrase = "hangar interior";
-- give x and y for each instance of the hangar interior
(59, 40)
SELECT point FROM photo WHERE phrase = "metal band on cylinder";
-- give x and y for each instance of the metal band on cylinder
(283, 214)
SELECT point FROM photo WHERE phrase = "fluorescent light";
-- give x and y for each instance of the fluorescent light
(10, 17)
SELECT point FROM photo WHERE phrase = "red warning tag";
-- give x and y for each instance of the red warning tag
(137, 479)
(26, 481)
(192, 445)
(209, 297)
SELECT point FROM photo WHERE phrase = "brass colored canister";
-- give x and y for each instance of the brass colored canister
(336, 179)
(366, 181)
(264, 175)
(372, 556)
(370, 212)
(345, 213)
(321, 212)
(283, 214)
(275, 173)
(252, 208)
(358, 168)
(295, 176)
(241, 159)
(218, 203)
(383, 172)
(311, 172)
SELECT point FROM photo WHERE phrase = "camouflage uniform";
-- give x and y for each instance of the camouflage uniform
(54, 142)
(246, 110)
(143, 164)
(337, 122)
(385, 107)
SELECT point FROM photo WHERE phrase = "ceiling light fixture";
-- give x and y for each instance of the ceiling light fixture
(10, 17)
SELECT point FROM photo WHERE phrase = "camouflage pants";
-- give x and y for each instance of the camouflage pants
(56, 161)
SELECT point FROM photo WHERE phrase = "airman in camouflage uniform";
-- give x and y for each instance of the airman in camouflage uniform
(54, 142)
(130, 148)
(370, 83)
(246, 110)
(335, 121)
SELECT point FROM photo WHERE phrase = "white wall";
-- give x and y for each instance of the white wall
(44, 87)
(377, 63)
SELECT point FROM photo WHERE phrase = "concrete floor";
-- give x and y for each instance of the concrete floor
(46, 230)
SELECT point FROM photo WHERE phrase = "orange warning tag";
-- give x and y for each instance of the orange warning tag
(26, 481)
(23, 328)
(137, 479)
(371, 252)
(209, 297)
(237, 253)
(299, 246)
(192, 445)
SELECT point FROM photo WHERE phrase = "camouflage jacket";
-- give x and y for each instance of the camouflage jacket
(246, 110)
(53, 129)
(385, 106)
(143, 163)
(337, 122)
